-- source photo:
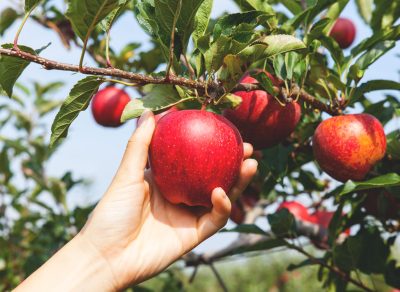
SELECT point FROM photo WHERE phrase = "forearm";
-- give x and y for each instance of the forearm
(76, 267)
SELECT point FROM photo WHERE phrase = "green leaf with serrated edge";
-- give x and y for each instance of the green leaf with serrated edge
(374, 54)
(7, 18)
(31, 4)
(246, 228)
(107, 22)
(282, 222)
(264, 81)
(387, 180)
(145, 15)
(11, 68)
(160, 98)
(85, 15)
(201, 20)
(77, 101)
(270, 46)
(231, 71)
(292, 6)
(365, 8)
(374, 85)
(259, 5)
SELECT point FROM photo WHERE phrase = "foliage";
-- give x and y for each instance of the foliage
(198, 60)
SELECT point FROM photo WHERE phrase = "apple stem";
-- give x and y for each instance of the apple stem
(204, 106)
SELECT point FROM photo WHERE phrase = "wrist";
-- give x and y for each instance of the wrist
(78, 266)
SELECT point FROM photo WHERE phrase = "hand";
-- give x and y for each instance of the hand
(134, 232)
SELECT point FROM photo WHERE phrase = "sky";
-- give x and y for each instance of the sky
(94, 152)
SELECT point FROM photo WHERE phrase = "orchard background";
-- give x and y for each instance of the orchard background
(44, 201)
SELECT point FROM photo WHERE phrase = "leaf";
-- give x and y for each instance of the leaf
(276, 160)
(231, 71)
(85, 15)
(107, 22)
(387, 180)
(11, 68)
(272, 45)
(365, 9)
(374, 54)
(268, 243)
(246, 229)
(31, 4)
(374, 85)
(201, 20)
(282, 222)
(77, 101)
(160, 97)
(7, 18)
(259, 5)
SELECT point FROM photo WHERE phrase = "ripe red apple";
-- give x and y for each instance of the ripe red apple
(344, 32)
(170, 110)
(261, 120)
(323, 218)
(299, 211)
(191, 153)
(347, 147)
(382, 204)
(108, 105)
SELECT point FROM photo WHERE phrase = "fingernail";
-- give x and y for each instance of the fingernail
(144, 117)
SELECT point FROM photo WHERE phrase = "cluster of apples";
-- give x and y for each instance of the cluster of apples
(194, 151)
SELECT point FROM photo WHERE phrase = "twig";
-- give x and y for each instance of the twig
(141, 79)
(334, 269)
(172, 42)
(219, 278)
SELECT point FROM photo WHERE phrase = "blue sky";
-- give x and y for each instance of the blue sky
(94, 152)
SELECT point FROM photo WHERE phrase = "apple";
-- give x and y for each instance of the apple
(382, 204)
(323, 218)
(247, 200)
(299, 211)
(347, 147)
(170, 110)
(261, 120)
(344, 32)
(193, 152)
(108, 105)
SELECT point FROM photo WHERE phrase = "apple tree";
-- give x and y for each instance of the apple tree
(287, 74)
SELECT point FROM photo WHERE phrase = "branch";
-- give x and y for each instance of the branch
(141, 79)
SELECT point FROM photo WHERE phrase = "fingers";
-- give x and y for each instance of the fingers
(248, 150)
(248, 170)
(135, 158)
(211, 222)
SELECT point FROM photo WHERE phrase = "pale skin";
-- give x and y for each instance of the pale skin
(134, 233)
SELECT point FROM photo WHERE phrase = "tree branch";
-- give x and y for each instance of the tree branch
(141, 79)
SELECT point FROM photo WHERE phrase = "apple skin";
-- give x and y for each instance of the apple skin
(299, 211)
(382, 204)
(323, 219)
(261, 120)
(192, 153)
(108, 105)
(347, 147)
(344, 32)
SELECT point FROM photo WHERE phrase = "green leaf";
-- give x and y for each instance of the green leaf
(31, 4)
(264, 81)
(85, 15)
(374, 54)
(160, 98)
(272, 45)
(365, 8)
(276, 160)
(387, 180)
(201, 20)
(7, 18)
(260, 5)
(11, 68)
(231, 71)
(247, 229)
(374, 85)
(107, 22)
(282, 222)
(77, 101)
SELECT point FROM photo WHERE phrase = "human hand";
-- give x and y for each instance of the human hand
(134, 233)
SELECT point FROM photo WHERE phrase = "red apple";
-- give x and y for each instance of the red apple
(382, 204)
(323, 218)
(347, 147)
(191, 153)
(344, 32)
(170, 110)
(108, 105)
(261, 120)
(299, 211)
